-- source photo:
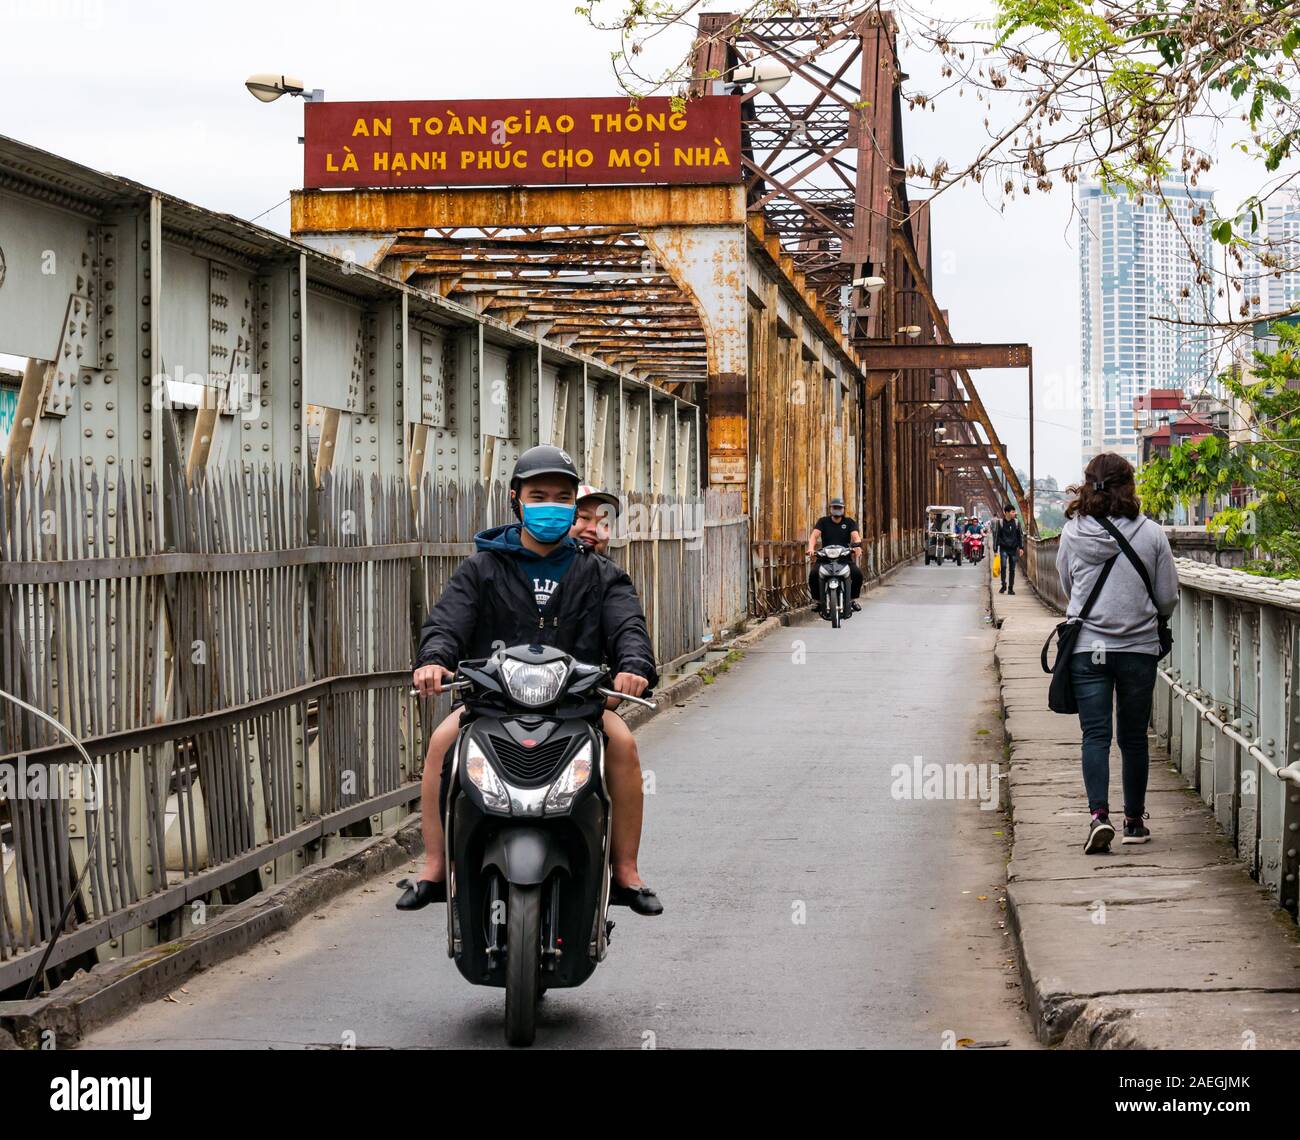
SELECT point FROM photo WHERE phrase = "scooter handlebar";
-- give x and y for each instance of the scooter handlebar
(449, 687)
(627, 697)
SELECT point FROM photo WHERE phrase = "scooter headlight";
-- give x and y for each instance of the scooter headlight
(572, 780)
(483, 776)
(530, 684)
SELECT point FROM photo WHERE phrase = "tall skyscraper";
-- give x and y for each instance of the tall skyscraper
(1134, 264)
(1274, 288)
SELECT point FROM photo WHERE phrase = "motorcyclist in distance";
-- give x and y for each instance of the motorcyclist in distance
(835, 528)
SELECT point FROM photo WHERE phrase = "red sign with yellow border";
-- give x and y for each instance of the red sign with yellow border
(521, 142)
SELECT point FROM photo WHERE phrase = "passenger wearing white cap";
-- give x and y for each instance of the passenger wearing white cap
(593, 526)
(597, 512)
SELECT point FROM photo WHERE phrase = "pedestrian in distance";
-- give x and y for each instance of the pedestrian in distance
(1010, 542)
(1107, 545)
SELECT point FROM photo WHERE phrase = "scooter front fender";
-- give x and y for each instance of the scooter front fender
(525, 856)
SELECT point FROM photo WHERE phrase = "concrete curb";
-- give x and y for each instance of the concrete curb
(112, 989)
(1167, 945)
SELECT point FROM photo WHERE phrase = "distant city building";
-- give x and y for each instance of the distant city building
(1165, 418)
(1134, 264)
(1273, 287)
(1152, 412)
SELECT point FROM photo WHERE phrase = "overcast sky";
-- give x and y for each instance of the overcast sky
(154, 91)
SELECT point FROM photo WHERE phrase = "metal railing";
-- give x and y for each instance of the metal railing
(1040, 569)
(726, 561)
(663, 554)
(1228, 709)
(236, 672)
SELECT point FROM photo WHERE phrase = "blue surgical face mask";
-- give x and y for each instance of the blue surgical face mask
(548, 522)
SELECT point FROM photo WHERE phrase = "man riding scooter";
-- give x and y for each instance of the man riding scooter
(531, 583)
(834, 529)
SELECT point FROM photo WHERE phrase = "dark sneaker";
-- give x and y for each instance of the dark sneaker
(1135, 831)
(1012, 590)
(1003, 590)
(857, 609)
(1100, 833)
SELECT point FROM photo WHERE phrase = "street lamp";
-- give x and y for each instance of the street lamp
(268, 88)
(872, 285)
(766, 75)
(912, 331)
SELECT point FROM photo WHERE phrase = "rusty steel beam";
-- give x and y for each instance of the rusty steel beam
(532, 245)
(608, 269)
(889, 357)
(387, 211)
(613, 307)
(692, 345)
(639, 332)
(976, 404)
(530, 234)
(965, 450)
(968, 462)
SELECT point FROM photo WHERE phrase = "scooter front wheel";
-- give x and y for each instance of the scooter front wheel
(835, 612)
(523, 962)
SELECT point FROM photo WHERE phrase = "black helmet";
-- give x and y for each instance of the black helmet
(543, 460)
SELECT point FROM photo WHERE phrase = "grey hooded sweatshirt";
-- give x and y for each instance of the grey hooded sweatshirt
(1122, 617)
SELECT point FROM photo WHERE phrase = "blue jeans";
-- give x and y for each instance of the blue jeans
(1123, 682)
(1009, 567)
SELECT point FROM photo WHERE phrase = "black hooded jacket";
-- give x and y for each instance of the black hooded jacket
(1008, 535)
(594, 614)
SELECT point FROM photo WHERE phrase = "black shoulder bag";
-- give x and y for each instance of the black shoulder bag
(1060, 693)
(1162, 622)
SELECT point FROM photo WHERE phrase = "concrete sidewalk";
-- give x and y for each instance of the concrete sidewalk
(1161, 946)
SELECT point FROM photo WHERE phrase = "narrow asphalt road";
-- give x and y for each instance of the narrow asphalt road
(807, 903)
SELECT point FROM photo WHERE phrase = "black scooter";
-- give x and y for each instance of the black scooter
(834, 580)
(526, 816)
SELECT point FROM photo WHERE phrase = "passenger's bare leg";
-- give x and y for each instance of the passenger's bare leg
(623, 773)
(444, 736)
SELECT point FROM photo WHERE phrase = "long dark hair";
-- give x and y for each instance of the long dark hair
(1107, 490)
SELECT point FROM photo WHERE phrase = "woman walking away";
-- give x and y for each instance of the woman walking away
(1114, 661)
